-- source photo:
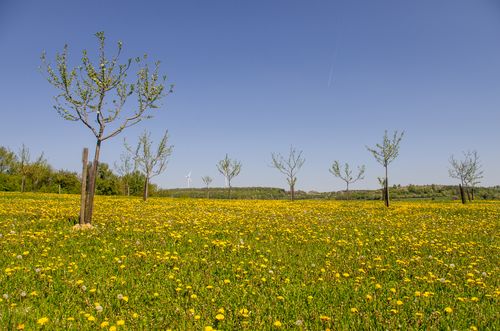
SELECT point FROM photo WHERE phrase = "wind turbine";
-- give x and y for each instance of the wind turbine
(188, 178)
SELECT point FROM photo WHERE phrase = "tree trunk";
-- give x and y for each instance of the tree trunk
(462, 194)
(468, 193)
(146, 189)
(472, 193)
(208, 193)
(347, 191)
(292, 192)
(229, 191)
(92, 182)
(386, 188)
(23, 183)
(83, 198)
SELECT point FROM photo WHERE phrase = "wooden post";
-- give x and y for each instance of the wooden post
(462, 194)
(83, 202)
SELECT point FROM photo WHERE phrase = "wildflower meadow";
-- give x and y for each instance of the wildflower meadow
(196, 264)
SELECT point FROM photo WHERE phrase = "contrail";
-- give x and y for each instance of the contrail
(330, 76)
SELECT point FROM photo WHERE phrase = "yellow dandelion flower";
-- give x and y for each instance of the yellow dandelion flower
(448, 310)
(43, 321)
(120, 322)
(219, 317)
(277, 324)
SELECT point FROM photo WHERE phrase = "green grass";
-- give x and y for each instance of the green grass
(306, 264)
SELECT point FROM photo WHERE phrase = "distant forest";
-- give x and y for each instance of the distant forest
(23, 174)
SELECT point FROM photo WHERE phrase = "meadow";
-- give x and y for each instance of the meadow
(196, 264)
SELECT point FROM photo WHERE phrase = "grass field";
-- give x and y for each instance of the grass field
(257, 265)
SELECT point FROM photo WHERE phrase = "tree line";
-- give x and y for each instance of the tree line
(20, 173)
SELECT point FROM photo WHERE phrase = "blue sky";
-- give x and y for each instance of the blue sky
(254, 77)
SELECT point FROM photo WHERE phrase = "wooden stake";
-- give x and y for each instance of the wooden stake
(83, 204)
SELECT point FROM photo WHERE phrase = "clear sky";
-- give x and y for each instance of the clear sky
(254, 77)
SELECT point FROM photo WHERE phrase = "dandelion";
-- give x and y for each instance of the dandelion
(20, 326)
(104, 324)
(277, 324)
(120, 322)
(354, 310)
(219, 317)
(448, 310)
(43, 321)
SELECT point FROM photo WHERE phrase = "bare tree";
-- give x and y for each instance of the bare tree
(85, 92)
(124, 170)
(207, 180)
(289, 166)
(150, 163)
(229, 169)
(475, 173)
(345, 173)
(468, 171)
(385, 153)
(24, 162)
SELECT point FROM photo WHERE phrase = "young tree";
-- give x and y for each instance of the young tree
(468, 171)
(24, 162)
(229, 169)
(85, 92)
(124, 170)
(289, 167)
(345, 173)
(385, 153)
(381, 182)
(475, 173)
(150, 163)
(207, 180)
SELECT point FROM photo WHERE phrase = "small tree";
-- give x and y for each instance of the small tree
(207, 180)
(468, 171)
(345, 173)
(385, 153)
(124, 170)
(289, 167)
(150, 163)
(381, 182)
(86, 90)
(475, 173)
(229, 169)
(24, 162)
